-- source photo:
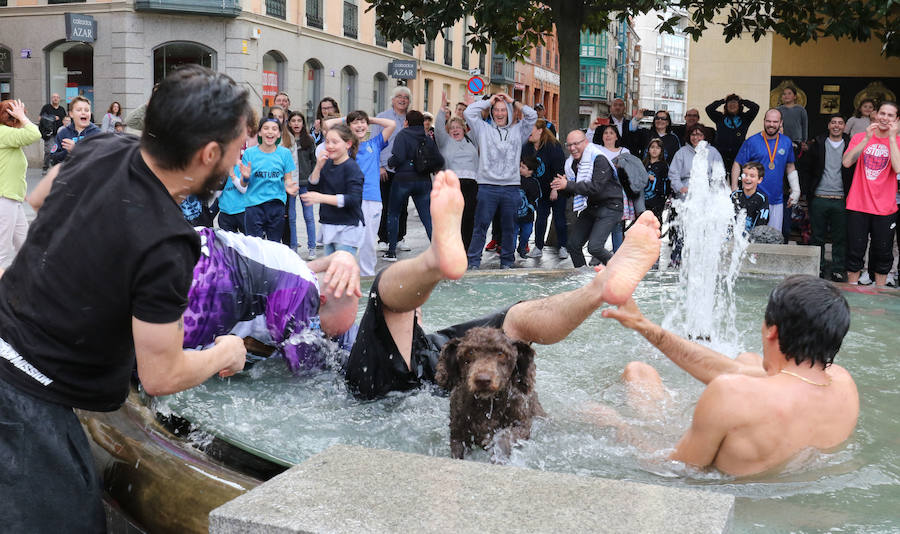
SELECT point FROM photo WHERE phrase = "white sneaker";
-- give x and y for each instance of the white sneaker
(891, 280)
(382, 246)
(535, 253)
(401, 245)
(563, 253)
(865, 279)
(311, 255)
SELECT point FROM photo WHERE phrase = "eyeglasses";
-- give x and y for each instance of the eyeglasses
(576, 143)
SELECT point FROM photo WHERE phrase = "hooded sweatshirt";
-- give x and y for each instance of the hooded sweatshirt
(680, 170)
(500, 147)
(460, 156)
(57, 153)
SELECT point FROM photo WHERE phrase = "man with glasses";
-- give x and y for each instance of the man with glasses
(598, 198)
(691, 117)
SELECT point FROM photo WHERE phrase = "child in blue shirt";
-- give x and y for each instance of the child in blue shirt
(266, 172)
(337, 184)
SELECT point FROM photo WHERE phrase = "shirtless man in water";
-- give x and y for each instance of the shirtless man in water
(756, 412)
(392, 353)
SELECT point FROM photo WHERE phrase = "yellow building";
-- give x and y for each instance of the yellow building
(832, 76)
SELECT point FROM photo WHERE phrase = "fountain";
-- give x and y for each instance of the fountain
(263, 421)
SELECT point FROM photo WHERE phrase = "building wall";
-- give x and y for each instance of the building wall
(828, 56)
(717, 68)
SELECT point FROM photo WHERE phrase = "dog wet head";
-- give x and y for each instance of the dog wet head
(487, 368)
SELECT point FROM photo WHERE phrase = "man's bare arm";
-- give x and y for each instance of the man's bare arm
(735, 175)
(701, 362)
(164, 367)
(700, 444)
(37, 197)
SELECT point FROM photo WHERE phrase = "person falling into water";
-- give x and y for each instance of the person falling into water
(757, 412)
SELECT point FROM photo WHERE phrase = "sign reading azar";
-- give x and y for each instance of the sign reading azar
(403, 69)
(81, 28)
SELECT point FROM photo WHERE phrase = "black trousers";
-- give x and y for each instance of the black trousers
(383, 235)
(469, 188)
(593, 226)
(47, 478)
(860, 226)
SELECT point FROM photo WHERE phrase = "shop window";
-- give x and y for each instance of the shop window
(379, 94)
(5, 73)
(70, 67)
(312, 72)
(348, 88)
(170, 56)
(273, 76)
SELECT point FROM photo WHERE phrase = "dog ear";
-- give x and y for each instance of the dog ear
(525, 370)
(447, 373)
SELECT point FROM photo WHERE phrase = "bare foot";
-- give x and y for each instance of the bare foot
(630, 263)
(446, 250)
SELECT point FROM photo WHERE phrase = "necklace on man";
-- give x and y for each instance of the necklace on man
(808, 381)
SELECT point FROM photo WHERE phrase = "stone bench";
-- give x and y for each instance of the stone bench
(354, 489)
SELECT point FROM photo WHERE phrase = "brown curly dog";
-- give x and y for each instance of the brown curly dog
(492, 398)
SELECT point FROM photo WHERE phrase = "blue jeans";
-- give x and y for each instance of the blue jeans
(330, 248)
(265, 220)
(618, 235)
(491, 199)
(310, 218)
(523, 231)
(559, 219)
(292, 221)
(401, 190)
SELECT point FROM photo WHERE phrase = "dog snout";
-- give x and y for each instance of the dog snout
(483, 380)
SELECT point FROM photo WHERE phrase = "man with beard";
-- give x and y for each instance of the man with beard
(100, 285)
(774, 150)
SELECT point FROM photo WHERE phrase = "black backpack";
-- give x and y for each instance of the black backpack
(424, 161)
(45, 126)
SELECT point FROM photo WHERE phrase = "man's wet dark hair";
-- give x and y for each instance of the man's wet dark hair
(812, 319)
(415, 118)
(192, 107)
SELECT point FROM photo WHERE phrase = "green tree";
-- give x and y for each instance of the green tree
(516, 26)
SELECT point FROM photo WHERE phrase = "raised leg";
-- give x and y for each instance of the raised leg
(551, 319)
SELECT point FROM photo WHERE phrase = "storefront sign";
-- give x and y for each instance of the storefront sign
(81, 28)
(585, 110)
(269, 87)
(404, 69)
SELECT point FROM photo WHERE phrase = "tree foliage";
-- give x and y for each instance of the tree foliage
(518, 25)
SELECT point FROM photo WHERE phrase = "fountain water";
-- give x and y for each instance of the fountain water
(711, 256)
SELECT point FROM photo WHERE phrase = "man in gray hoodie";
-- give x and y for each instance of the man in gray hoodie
(500, 143)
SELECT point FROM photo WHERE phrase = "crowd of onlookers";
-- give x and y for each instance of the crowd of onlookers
(837, 186)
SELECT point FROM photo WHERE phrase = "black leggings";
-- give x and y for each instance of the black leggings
(860, 226)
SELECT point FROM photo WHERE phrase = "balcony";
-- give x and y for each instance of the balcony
(503, 71)
(214, 8)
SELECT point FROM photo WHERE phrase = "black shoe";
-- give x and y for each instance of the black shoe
(390, 256)
(839, 277)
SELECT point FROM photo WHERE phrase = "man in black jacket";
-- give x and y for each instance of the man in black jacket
(414, 157)
(826, 188)
(52, 115)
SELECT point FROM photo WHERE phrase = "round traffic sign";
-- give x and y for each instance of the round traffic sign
(475, 85)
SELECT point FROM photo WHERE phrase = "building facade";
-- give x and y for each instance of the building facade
(109, 50)
(610, 66)
(664, 58)
(537, 78)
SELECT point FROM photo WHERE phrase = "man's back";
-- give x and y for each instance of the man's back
(770, 419)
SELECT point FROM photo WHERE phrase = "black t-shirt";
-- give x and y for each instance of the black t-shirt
(58, 115)
(110, 243)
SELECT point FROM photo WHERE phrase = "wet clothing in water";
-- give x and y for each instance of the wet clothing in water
(239, 278)
(375, 367)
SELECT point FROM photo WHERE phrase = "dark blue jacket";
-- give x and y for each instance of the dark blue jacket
(58, 154)
(344, 179)
(404, 154)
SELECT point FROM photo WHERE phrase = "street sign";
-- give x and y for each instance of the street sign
(475, 85)
(403, 69)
